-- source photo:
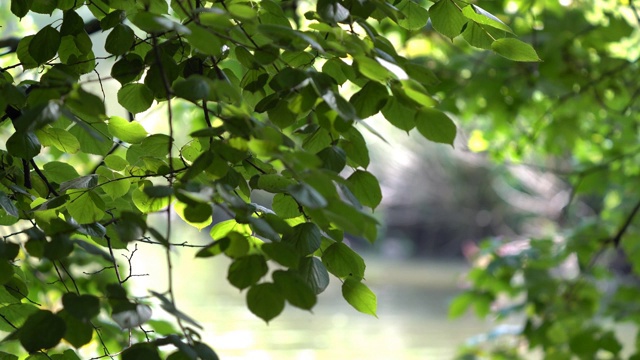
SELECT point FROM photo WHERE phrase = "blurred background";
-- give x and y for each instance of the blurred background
(439, 203)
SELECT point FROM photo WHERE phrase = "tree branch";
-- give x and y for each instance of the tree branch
(616, 239)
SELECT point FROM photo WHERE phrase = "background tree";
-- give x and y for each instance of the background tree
(571, 121)
(253, 98)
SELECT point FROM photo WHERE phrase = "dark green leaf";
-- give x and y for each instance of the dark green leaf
(79, 332)
(333, 158)
(314, 273)
(265, 300)
(247, 270)
(23, 145)
(370, 99)
(282, 253)
(128, 68)
(83, 307)
(119, 40)
(307, 196)
(44, 45)
(142, 351)
(305, 238)
(20, 8)
(332, 11)
(42, 330)
(435, 126)
(295, 290)
(195, 88)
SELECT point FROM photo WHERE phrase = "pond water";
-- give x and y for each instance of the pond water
(412, 321)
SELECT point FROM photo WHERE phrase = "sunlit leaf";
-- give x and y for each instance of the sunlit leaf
(514, 49)
(359, 296)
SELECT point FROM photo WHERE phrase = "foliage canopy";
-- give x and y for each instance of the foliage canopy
(256, 97)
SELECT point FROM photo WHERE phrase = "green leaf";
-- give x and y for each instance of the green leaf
(435, 126)
(7, 356)
(79, 332)
(59, 172)
(284, 254)
(514, 49)
(44, 6)
(44, 45)
(415, 15)
(111, 185)
(23, 145)
(131, 132)
(460, 304)
(136, 98)
(141, 351)
(7, 205)
(247, 270)
(477, 36)
(307, 196)
(447, 18)
(148, 204)
(221, 229)
(198, 215)
(365, 187)
(20, 8)
(156, 146)
(83, 182)
(119, 40)
(265, 301)
(372, 69)
(204, 40)
(16, 313)
(86, 208)
(195, 88)
(42, 330)
(342, 261)
(285, 35)
(153, 23)
(83, 307)
(314, 273)
(333, 158)
(305, 238)
(285, 206)
(273, 183)
(128, 68)
(332, 11)
(67, 354)
(94, 138)
(399, 115)
(370, 99)
(481, 16)
(27, 61)
(59, 139)
(359, 296)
